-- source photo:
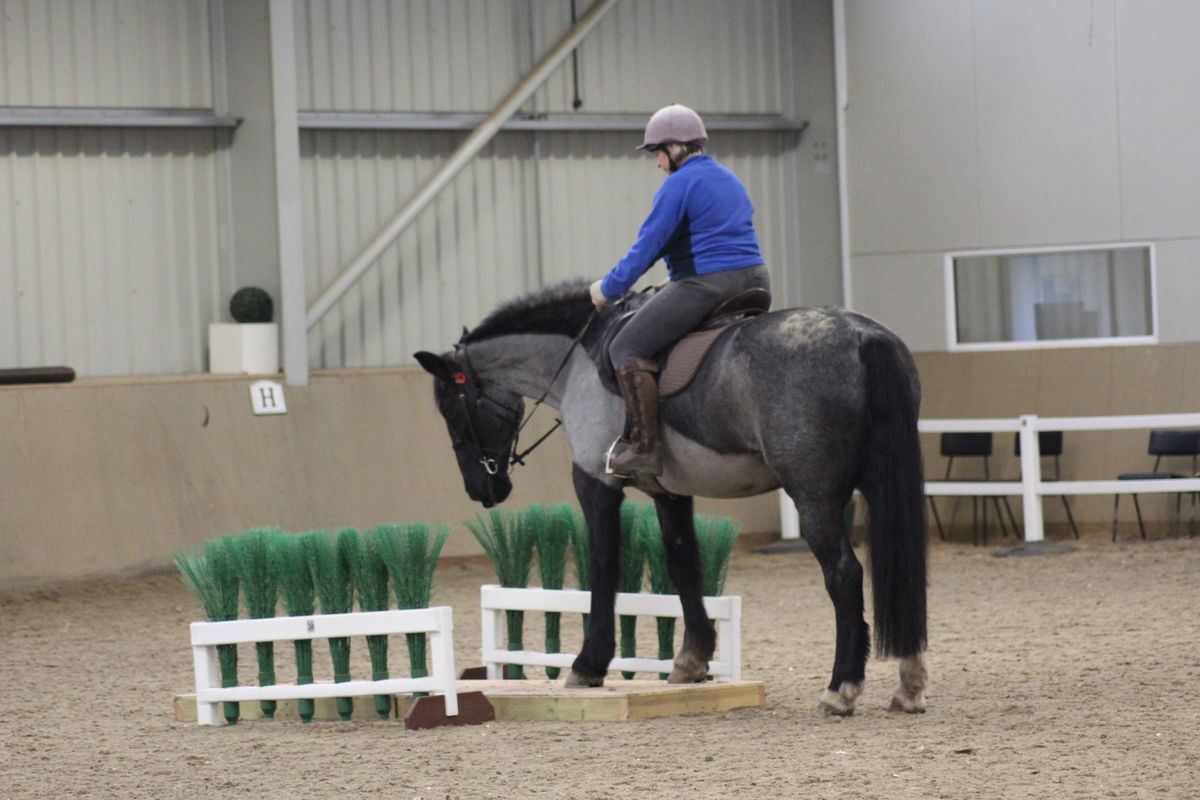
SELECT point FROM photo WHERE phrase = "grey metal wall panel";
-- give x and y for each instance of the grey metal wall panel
(473, 248)
(1160, 114)
(463, 55)
(534, 208)
(136, 53)
(413, 55)
(1046, 122)
(107, 259)
(911, 125)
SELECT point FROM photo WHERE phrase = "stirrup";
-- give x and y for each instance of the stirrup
(608, 470)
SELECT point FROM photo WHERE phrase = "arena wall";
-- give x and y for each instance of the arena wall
(105, 477)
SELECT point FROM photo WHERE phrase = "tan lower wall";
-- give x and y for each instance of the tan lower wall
(1159, 379)
(102, 478)
(112, 477)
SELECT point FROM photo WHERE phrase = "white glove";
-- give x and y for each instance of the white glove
(598, 298)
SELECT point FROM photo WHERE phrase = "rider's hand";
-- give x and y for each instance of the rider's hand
(598, 298)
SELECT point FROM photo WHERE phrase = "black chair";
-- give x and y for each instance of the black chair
(972, 445)
(1050, 443)
(1164, 443)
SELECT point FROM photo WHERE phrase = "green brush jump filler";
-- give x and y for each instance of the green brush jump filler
(370, 577)
(650, 534)
(633, 568)
(580, 547)
(213, 578)
(331, 576)
(410, 557)
(260, 590)
(289, 553)
(508, 542)
(553, 528)
(714, 538)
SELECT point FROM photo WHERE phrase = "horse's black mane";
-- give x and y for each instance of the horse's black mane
(561, 308)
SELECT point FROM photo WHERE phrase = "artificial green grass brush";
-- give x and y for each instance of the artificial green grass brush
(714, 537)
(260, 590)
(371, 584)
(650, 534)
(509, 544)
(327, 558)
(633, 567)
(553, 527)
(411, 557)
(213, 578)
(580, 547)
(288, 552)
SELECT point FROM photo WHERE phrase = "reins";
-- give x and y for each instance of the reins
(516, 458)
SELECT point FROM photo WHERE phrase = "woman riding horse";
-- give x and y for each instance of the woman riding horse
(700, 222)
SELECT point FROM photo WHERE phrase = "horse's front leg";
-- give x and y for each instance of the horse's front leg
(601, 505)
(677, 521)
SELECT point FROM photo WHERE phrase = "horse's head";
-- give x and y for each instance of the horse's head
(483, 421)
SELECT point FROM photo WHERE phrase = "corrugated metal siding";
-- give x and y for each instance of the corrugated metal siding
(472, 247)
(135, 53)
(533, 208)
(107, 254)
(107, 257)
(419, 55)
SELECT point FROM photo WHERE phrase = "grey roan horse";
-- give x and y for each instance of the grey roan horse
(816, 401)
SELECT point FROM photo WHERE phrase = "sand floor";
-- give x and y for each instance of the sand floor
(1065, 676)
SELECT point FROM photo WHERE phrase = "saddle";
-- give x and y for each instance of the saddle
(680, 362)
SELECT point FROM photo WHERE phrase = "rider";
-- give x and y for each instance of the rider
(700, 222)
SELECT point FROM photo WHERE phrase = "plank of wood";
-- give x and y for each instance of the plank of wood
(545, 700)
(324, 708)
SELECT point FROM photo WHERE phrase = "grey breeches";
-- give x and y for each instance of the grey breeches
(677, 309)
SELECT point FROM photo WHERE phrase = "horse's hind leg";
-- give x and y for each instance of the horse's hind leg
(676, 519)
(910, 696)
(824, 530)
(601, 505)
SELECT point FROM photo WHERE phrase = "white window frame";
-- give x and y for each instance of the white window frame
(954, 345)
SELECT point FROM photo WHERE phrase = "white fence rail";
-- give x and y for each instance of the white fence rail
(438, 622)
(1031, 487)
(725, 612)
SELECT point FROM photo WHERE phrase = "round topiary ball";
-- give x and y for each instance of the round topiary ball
(251, 304)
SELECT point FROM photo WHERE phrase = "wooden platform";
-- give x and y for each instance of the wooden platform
(545, 700)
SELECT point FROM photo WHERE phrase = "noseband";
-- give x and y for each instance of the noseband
(506, 413)
(488, 457)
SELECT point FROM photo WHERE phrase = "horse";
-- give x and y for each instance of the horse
(816, 401)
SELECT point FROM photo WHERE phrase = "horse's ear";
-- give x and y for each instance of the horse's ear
(435, 365)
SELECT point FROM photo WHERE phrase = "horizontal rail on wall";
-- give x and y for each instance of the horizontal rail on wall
(103, 117)
(465, 121)
(1031, 487)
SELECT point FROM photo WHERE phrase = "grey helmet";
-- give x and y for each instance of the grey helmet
(674, 124)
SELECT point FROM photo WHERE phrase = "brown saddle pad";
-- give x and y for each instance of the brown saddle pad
(683, 360)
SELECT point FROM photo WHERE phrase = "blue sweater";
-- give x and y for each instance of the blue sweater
(700, 222)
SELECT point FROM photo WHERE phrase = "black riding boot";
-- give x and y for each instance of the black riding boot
(640, 451)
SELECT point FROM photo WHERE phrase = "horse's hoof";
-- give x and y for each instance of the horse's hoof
(909, 705)
(688, 669)
(576, 681)
(841, 702)
(682, 676)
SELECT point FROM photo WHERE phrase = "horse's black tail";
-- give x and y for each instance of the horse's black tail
(892, 481)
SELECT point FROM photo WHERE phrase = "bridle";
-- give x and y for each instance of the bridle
(489, 458)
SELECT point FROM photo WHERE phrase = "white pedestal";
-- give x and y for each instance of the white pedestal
(243, 348)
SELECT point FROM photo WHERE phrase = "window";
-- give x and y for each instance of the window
(1063, 297)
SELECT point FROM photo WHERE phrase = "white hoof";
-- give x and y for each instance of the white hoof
(576, 681)
(840, 703)
(910, 696)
